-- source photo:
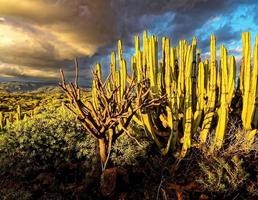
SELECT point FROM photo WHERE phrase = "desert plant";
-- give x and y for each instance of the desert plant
(130, 150)
(108, 114)
(231, 168)
(199, 93)
(45, 141)
(221, 175)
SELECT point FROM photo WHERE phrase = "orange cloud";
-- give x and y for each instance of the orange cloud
(35, 10)
(44, 34)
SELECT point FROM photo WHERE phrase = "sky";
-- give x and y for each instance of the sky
(38, 37)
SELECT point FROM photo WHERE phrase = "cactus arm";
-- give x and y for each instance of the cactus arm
(253, 89)
(188, 103)
(119, 51)
(153, 61)
(123, 76)
(247, 76)
(113, 65)
(168, 69)
(146, 118)
(200, 97)
(223, 110)
(181, 78)
(1, 120)
(232, 79)
(255, 70)
(211, 93)
(194, 75)
(249, 138)
(163, 119)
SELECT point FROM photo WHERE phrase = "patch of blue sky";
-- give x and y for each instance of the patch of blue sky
(240, 20)
(243, 18)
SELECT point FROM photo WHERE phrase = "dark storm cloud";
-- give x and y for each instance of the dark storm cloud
(224, 34)
(37, 37)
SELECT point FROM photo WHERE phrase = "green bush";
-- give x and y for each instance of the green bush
(130, 150)
(52, 137)
(220, 175)
(230, 169)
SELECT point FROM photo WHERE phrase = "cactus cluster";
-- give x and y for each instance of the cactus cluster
(8, 118)
(198, 92)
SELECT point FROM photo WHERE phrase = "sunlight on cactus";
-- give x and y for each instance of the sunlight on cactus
(198, 92)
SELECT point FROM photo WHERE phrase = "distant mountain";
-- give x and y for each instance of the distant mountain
(11, 87)
(32, 87)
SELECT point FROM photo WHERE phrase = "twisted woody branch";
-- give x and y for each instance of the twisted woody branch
(112, 115)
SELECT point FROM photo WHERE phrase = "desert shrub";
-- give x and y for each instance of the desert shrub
(13, 193)
(52, 137)
(130, 150)
(232, 168)
(220, 175)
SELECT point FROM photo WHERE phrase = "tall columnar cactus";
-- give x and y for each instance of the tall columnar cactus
(231, 79)
(18, 113)
(93, 88)
(255, 118)
(170, 120)
(123, 76)
(7, 123)
(153, 61)
(211, 92)
(118, 84)
(181, 74)
(188, 102)
(113, 65)
(249, 82)
(168, 78)
(194, 73)
(119, 51)
(246, 65)
(146, 66)
(198, 93)
(223, 109)
(1, 120)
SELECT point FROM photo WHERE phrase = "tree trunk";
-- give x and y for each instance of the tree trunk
(102, 151)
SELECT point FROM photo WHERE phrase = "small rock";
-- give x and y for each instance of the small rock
(108, 181)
